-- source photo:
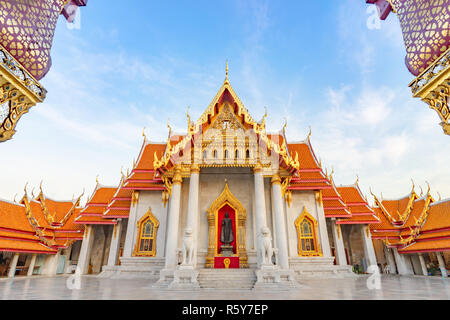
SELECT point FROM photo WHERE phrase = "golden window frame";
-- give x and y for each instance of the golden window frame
(148, 216)
(305, 215)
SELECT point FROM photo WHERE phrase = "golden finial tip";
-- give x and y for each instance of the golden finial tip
(226, 71)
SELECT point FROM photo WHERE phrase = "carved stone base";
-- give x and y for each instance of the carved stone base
(185, 277)
(166, 277)
(269, 277)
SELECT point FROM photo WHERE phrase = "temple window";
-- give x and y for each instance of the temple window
(205, 154)
(247, 154)
(236, 154)
(226, 154)
(215, 154)
(306, 227)
(146, 242)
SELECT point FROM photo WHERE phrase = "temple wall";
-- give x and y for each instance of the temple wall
(100, 245)
(212, 183)
(378, 246)
(152, 200)
(300, 199)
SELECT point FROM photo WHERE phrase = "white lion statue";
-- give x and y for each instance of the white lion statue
(266, 250)
(188, 247)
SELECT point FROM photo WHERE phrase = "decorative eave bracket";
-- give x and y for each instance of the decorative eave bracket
(433, 87)
(19, 91)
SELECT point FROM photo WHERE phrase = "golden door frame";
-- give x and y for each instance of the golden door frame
(226, 197)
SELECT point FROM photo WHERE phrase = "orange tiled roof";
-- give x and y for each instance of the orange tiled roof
(333, 204)
(96, 206)
(360, 210)
(25, 246)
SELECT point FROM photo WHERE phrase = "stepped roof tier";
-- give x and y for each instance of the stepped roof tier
(357, 205)
(413, 224)
(434, 234)
(16, 232)
(39, 225)
(94, 210)
(333, 204)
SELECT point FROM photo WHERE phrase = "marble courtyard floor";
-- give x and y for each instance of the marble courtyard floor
(392, 287)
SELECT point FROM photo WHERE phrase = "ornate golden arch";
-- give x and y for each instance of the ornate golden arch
(314, 234)
(226, 197)
(147, 216)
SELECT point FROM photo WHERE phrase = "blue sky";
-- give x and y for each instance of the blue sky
(137, 64)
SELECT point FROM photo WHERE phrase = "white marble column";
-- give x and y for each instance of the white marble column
(339, 249)
(173, 221)
(130, 237)
(403, 265)
(13, 265)
(390, 260)
(423, 265)
(442, 264)
(192, 214)
(260, 201)
(31, 265)
(115, 244)
(260, 207)
(85, 251)
(369, 251)
(280, 223)
(323, 231)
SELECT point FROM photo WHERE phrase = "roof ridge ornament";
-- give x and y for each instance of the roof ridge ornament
(226, 73)
(143, 134)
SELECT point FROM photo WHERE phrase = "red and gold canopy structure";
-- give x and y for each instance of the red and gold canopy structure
(27, 29)
(426, 35)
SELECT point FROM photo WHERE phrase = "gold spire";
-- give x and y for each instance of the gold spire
(143, 134)
(226, 72)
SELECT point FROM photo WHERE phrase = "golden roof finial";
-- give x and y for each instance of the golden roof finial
(284, 127)
(357, 179)
(15, 198)
(412, 191)
(170, 128)
(429, 188)
(25, 188)
(96, 179)
(143, 134)
(421, 191)
(440, 198)
(226, 72)
(309, 134)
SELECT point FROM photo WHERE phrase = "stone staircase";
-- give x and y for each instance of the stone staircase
(226, 278)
